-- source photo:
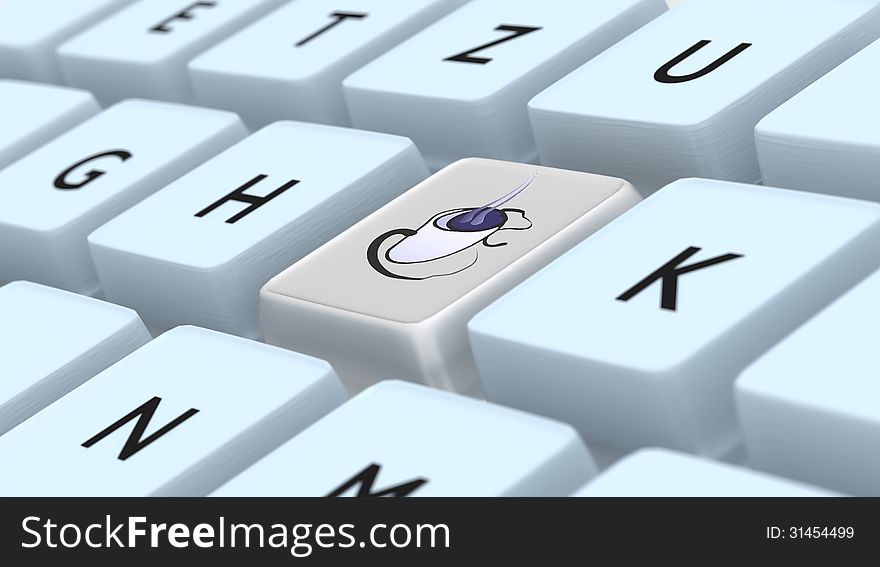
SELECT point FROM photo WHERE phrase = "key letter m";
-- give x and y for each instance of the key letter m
(135, 441)
(365, 480)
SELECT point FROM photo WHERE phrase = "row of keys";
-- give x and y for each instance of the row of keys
(193, 408)
(411, 277)
(110, 202)
(197, 412)
(198, 251)
(480, 65)
(469, 76)
(291, 64)
(244, 321)
(501, 79)
(652, 318)
(60, 193)
(211, 238)
(153, 42)
(407, 281)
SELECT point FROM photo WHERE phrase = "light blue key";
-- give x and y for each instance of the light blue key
(459, 88)
(664, 473)
(637, 335)
(143, 50)
(54, 197)
(827, 138)
(32, 114)
(31, 30)
(198, 251)
(401, 439)
(290, 65)
(681, 97)
(809, 408)
(51, 341)
(178, 417)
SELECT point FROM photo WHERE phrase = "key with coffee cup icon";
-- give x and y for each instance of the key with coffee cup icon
(390, 297)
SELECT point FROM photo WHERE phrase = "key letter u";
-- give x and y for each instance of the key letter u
(662, 75)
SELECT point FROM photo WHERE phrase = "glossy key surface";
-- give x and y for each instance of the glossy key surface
(198, 251)
(401, 439)
(459, 88)
(178, 417)
(681, 96)
(808, 407)
(390, 297)
(57, 195)
(664, 473)
(143, 50)
(290, 65)
(51, 341)
(32, 114)
(637, 335)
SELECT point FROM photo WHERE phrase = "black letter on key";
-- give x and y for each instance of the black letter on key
(365, 480)
(465, 56)
(662, 75)
(254, 202)
(144, 413)
(185, 14)
(340, 17)
(669, 274)
(61, 181)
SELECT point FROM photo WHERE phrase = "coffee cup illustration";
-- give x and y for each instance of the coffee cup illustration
(449, 242)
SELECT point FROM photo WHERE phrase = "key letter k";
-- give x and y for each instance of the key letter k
(669, 274)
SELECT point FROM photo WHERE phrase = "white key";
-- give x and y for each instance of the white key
(664, 473)
(391, 297)
(291, 64)
(31, 30)
(808, 408)
(32, 114)
(52, 341)
(198, 251)
(681, 97)
(179, 417)
(143, 50)
(459, 89)
(400, 439)
(637, 335)
(826, 138)
(53, 198)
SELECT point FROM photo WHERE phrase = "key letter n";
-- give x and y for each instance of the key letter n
(365, 480)
(144, 414)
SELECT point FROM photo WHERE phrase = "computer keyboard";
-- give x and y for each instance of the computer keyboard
(439, 248)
